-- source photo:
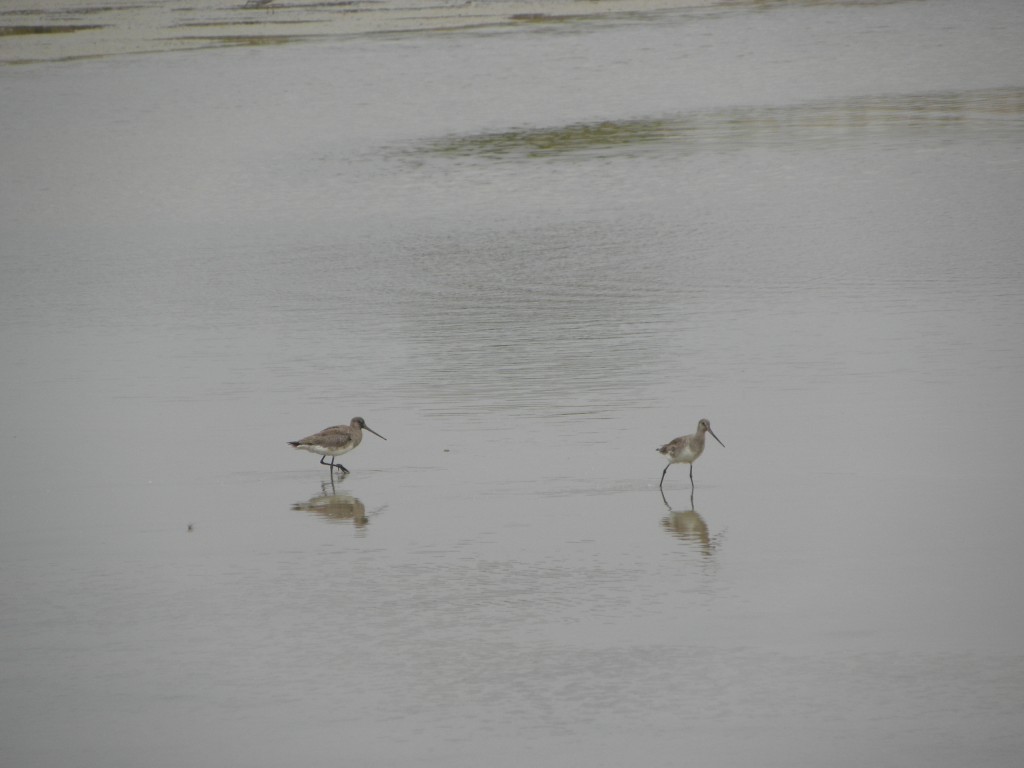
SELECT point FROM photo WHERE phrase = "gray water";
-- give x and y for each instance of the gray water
(527, 255)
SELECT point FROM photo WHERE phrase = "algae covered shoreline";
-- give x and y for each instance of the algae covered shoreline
(69, 30)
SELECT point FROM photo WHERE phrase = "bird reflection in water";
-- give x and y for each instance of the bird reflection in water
(689, 526)
(336, 507)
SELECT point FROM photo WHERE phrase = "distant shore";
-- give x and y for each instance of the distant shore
(70, 30)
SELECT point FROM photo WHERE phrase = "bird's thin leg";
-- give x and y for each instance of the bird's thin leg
(342, 469)
(691, 477)
(663, 475)
(325, 463)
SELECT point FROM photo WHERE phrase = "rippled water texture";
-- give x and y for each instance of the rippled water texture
(528, 243)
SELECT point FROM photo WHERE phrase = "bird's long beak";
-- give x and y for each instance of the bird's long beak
(384, 438)
(714, 436)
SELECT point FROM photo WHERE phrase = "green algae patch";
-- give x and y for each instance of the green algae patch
(537, 142)
(46, 29)
(995, 112)
(246, 40)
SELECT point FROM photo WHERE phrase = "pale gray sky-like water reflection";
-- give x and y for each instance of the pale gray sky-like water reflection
(528, 251)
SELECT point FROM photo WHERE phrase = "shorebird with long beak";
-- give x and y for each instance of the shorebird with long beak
(335, 441)
(687, 449)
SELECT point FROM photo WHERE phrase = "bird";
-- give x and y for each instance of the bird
(686, 449)
(335, 441)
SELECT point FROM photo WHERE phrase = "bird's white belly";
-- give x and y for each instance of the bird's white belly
(324, 450)
(685, 456)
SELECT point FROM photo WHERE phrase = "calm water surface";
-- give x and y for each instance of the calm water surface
(527, 255)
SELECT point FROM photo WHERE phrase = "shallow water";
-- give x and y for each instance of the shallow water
(527, 255)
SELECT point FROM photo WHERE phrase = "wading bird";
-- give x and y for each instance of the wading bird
(686, 449)
(335, 441)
